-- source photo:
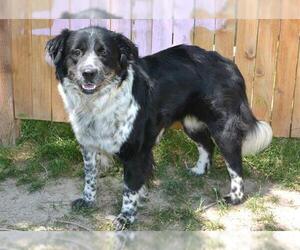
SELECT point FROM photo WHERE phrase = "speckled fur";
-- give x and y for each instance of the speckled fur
(103, 121)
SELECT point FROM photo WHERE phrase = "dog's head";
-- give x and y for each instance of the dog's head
(91, 58)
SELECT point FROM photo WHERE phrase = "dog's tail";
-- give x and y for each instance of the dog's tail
(257, 139)
(258, 135)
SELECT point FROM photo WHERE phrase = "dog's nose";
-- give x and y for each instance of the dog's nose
(89, 74)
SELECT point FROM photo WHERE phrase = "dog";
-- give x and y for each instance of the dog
(120, 104)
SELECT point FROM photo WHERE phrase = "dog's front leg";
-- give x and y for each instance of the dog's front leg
(136, 173)
(90, 171)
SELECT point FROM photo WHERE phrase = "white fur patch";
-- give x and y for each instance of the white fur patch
(236, 192)
(160, 135)
(90, 61)
(258, 139)
(203, 162)
(104, 120)
(192, 124)
(237, 185)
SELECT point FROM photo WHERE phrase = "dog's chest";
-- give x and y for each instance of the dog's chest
(104, 123)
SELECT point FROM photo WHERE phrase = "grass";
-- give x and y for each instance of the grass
(280, 163)
(49, 150)
(44, 151)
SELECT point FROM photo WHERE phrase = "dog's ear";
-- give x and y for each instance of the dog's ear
(128, 49)
(55, 47)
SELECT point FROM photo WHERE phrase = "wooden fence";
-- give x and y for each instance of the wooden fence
(265, 50)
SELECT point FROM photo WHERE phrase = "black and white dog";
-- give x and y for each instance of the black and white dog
(119, 104)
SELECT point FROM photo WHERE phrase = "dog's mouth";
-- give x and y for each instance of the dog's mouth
(88, 88)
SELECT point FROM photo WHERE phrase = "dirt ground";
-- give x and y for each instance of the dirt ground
(49, 209)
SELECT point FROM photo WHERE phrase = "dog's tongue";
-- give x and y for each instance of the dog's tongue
(88, 86)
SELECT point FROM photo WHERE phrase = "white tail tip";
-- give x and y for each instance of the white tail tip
(257, 139)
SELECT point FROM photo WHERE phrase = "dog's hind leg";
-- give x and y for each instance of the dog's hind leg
(230, 144)
(199, 133)
(136, 172)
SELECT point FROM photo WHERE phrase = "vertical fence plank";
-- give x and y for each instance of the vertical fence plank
(204, 33)
(40, 71)
(162, 28)
(266, 57)
(265, 68)
(184, 22)
(77, 6)
(295, 130)
(21, 62)
(58, 111)
(141, 13)
(246, 39)
(161, 34)
(285, 80)
(9, 130)
(142, 36)
(103, 5)
(225, 31)
(122, 25)
(183, 31)
(224, 37)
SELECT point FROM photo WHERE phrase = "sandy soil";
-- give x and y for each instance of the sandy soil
(49, 209)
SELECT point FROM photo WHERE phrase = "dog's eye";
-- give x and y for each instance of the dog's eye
(101, 51)
(76, 52)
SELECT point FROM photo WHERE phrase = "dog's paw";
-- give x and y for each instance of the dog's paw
(120, 223)
(196, 171)
(229, 199)
(199, 170)
(82, 204)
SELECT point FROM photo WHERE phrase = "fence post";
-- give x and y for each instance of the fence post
(9, 126)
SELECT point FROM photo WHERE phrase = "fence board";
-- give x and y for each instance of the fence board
(122, 26)
(142, 36)
(204, 33)
(265, 68)
(121, 10)
(295, 130)
(268, 33)
(246, 39)
(259, 52)
(161, 34)
(224, 37)
(40, 72)
(285, 81)
(21, 58)
(58, 111)
(9, 129)
(246, 51)
(225, 28)
(183, 31)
